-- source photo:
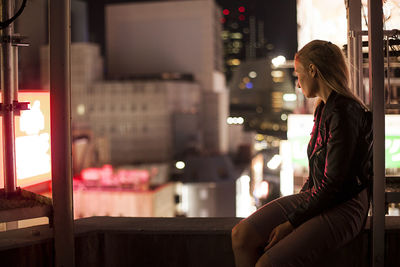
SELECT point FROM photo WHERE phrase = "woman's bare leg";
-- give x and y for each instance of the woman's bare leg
(251, 235)
(247, 244)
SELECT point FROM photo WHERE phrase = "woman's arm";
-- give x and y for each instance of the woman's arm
(343, 127)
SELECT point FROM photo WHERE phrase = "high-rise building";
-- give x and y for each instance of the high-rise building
(86, 68)
(137, 118)
(151, 118)
(263, 95)
(173, 37)
(243, 37)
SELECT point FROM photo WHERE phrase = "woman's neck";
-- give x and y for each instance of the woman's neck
(323, 92)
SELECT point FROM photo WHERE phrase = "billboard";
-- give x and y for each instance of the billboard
(32, 140)
(300, 127)
(315, 21)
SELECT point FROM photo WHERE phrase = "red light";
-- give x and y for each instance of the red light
(223, 20)
(242, 9)
(242, 17)
(225, 12)
(32, 140)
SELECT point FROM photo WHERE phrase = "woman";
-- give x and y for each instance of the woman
(332, 206)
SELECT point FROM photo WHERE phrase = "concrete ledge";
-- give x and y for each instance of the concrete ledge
(121, 241)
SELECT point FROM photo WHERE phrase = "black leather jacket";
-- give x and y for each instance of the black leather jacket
(339, 155)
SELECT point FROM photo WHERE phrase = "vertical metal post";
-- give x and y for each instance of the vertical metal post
(8, 86)
(60, 105)
(376, 83)
(16, 86)
(353, 8)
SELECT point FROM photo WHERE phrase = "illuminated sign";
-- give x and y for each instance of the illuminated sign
(392, 141)
(300, 127)
(299, 130)
(32, 140)
(318, 22)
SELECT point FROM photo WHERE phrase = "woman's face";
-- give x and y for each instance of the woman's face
(306, 79)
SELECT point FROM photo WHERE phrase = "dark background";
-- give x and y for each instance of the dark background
(279, 21)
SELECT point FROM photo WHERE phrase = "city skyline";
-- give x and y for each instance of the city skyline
(279, 17)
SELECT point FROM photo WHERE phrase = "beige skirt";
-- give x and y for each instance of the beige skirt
(325, 232)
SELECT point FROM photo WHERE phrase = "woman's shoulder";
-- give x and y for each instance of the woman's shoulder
(347, 104)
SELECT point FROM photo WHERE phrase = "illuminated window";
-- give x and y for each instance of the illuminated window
(246, 79)
(236, 44)
(277, 74)
(80, 109)
(252, 74)
(234, 62)
(289, 97)
(236, 35)
(277, 80)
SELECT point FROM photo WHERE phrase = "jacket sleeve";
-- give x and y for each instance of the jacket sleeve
(340, 150)
(306, 185)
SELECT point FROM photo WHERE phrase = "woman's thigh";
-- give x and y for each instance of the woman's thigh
(266, 218)
(319, 235)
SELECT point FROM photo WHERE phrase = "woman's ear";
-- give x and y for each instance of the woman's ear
(313, 70)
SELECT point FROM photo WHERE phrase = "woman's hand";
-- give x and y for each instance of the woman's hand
(279, 233)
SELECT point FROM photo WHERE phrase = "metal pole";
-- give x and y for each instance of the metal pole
(353, 12)
(60, 105)
(376, 84)
(8, 86)
(16, 85)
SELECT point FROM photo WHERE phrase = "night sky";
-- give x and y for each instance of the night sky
(279, 20)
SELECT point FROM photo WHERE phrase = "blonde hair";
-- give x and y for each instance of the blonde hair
(331, 66)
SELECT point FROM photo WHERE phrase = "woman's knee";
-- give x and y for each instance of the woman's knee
(244, 235)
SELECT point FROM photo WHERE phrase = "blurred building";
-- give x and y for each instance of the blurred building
(138, 118)
(264, 95)
(149, 118)
(209, 187)
(165, 91)
(173, 37)
(36, 35)
(243, 37)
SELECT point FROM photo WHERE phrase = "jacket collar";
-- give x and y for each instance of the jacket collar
(328, 106)
(326, 109)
